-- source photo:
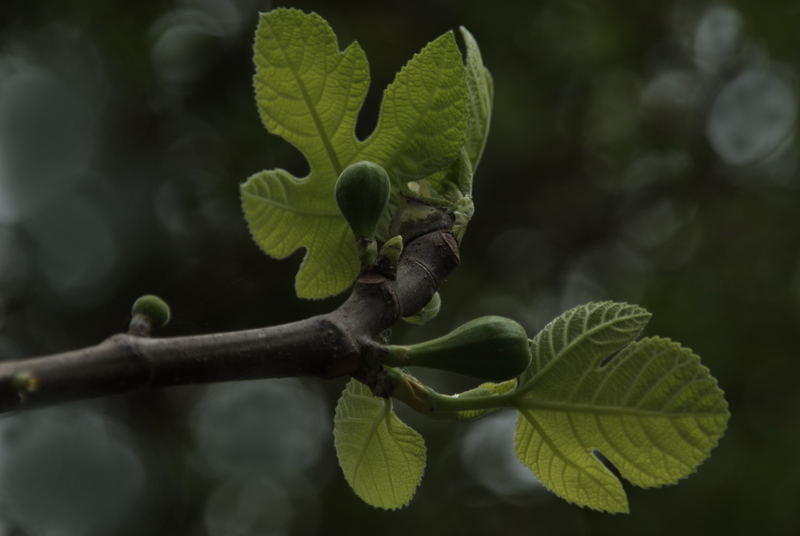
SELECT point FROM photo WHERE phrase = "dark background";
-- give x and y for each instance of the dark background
(639, 151)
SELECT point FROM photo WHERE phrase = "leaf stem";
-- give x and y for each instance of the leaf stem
(451, 403)
(395, 355)
(406, 388)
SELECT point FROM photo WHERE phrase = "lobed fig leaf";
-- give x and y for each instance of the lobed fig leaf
(452, 186)
(649, 407)
(310, 93)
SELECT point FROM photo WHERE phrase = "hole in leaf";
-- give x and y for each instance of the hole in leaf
(292, 160)
(607, 463)
(368, 116)
(606, 360)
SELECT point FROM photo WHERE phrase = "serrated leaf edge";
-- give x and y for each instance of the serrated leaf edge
(386, 419)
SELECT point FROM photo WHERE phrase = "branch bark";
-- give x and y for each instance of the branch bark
(339, 343)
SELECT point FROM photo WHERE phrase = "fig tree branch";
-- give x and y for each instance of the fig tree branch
(339, 343)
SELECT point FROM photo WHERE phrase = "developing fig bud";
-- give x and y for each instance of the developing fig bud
(391, 251)
(148, 311)
(490, 347)
(362, 193)
(25, 382)
(462, 213)
(414, 217)
(427, 313)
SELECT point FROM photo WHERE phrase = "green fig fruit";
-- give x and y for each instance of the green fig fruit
(362, 192)
(149, 311)
(490, 347)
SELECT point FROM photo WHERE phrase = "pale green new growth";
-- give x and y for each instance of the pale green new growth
(481, 95)
(381, 457)
(485, 390)
(423, 115)
(451, 186)
(652, 409)
(428, 312)
(310, 93)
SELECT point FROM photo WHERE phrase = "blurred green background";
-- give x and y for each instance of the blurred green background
(639, 151)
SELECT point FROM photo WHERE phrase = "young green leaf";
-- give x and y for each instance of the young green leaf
(652, 409)
(423, 120)
(282, 218)
(423, 116)
(428, 312)
(594, 329)
(481, 95)
(450, 185)
(310, 93)
(381, 457)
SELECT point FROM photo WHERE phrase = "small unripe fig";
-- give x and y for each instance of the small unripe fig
(427, 313)
(362, 193)
(489, 347)
(148, 311)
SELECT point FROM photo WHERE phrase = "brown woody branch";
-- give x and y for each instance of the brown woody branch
(339, 343)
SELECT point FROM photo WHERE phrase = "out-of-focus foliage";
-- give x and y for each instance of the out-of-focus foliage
(639, 151)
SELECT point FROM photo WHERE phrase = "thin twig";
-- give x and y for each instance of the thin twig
(331, 345)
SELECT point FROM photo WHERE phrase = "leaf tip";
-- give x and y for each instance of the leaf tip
(466, 35)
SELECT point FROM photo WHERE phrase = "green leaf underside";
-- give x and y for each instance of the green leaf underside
(272, 204)
(381, 457)
(423, 115)
(310, 93)
(652, 410)
(447, 185)
(481, 94)
(412, 145)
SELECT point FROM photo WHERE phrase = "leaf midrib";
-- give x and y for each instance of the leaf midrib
(406, 133)
(292, 208)
(572, 407)
(557, 356)
(558, 453)
(368, 438)
(323, 136)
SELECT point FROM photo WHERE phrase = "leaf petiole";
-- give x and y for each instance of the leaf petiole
(454, 403)
(424, 399)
